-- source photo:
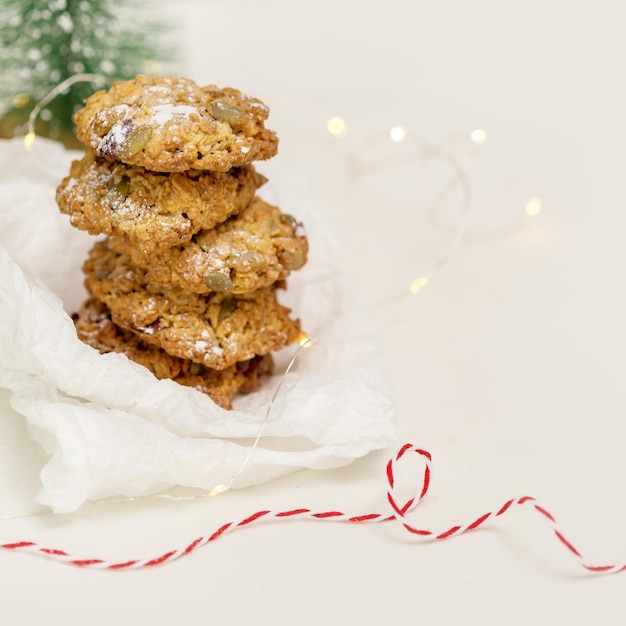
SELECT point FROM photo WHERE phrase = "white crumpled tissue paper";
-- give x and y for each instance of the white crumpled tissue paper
(110, 427)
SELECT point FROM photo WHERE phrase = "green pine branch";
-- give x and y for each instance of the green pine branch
(43, 42)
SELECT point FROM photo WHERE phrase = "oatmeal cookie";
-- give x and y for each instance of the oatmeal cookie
(216, 330)
(95, 327)
(248, 251)
(152, 210)
(170, 124)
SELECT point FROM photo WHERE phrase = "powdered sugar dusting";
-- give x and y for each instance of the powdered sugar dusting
(163, 113)
(259, 105)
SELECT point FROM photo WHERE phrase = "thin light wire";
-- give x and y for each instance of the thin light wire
(305, 343)
(29, 138)
(460, 177)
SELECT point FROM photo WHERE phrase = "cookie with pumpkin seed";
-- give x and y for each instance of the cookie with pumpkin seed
(95, 327)
(250, 250)
(151, 210)
(171, 124)
(216, 329)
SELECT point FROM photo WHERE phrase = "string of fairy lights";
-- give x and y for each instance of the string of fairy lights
(460, 231)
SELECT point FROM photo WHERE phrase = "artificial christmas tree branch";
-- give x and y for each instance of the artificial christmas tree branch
(45, 42)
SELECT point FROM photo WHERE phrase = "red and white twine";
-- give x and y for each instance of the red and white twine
(399, 513)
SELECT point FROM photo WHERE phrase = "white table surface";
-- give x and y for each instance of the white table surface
(508, 367)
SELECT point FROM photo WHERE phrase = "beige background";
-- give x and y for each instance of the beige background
(508, 366)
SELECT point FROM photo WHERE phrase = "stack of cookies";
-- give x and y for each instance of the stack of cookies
(186, 279)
